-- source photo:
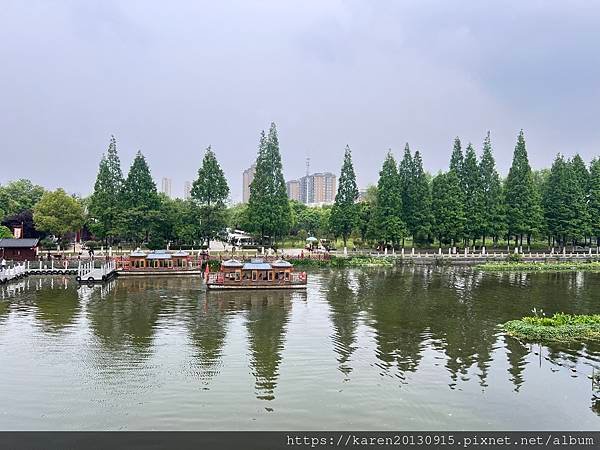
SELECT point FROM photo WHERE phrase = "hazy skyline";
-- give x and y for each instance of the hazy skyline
(171, 78)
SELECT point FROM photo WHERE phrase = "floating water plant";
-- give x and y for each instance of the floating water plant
(558, 328)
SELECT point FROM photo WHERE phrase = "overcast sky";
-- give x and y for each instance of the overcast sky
(171, 77)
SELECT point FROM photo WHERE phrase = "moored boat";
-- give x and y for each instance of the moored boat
(256, 274)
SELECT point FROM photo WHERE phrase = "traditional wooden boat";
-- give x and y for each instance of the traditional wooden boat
(256, 274)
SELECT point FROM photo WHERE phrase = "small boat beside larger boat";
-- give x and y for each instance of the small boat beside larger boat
(256, 274)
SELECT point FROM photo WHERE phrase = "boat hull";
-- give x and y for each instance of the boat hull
(254, 286)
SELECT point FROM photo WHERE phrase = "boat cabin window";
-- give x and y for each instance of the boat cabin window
(270, 275)
(254, 275)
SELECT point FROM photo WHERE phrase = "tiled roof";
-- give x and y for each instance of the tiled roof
(18, 243)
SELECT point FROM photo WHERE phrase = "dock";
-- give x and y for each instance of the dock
(89, 274)
(85, 272)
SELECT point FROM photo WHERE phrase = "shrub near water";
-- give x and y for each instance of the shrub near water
(558, 328)
(352, 261)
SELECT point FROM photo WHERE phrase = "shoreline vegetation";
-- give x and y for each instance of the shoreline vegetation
(560, 327)
(536, 266)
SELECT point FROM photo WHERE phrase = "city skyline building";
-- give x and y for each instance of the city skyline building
(166, 186)
(293, 190)
(247, 178)
(187, 190)
(313, 189)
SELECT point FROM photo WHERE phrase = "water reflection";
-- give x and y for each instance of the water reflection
(208, 330)
(127, 318)
(403, 327)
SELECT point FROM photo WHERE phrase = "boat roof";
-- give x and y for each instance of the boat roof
(281, 263)
(181, 253)
(158, 255)
(256, 264)
(231, 263)
(138, 253)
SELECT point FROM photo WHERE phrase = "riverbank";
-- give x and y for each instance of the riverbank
(558, 328)
(539, 266)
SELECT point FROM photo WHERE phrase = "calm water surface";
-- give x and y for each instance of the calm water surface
(402, 348)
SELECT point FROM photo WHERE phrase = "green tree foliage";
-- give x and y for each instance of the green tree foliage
(58, 213)
(594, 199)
(457, 158)
(523, 208)
(268, 207)
(418, 208)
(344, 212)
(447, 207)
(387, 224)
(105, 207)
(405, 177)
(5, 232)
(492, 208)
(473, 195)
(140, 201)
(210, 191)
(237, 217)
(565, 202)
(581, 176)
(18, 196)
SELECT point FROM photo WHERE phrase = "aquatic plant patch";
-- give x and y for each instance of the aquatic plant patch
(558, 328)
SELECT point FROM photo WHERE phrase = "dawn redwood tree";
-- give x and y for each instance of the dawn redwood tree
(405, 177)
(140, 200)
(447, 208)
(418, 212)
(388, 226)
(344, 212)
(473, 197)
(492, 208)
(457, 159)
(269, 210)
(581, 176)
(594, 199)
(523, 208)
(105, 206)
(210, 191)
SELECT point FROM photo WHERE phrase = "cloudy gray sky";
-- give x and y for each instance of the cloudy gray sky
(170, 78)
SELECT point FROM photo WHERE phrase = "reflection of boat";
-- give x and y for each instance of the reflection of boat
(256, 274)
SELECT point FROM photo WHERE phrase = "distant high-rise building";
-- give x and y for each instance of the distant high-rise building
(247, 180)
(187, 190)
(293, 190)
(166, 186)
(317, 189)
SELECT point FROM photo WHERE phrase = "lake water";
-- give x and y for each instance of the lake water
(398, 348)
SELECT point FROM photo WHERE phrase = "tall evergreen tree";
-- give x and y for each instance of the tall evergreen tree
(594, 199)
(447, 208)
(457, 159)
(105, 207)
(210, 191)
(492, 212)
(268, 207)
(387, 222)
(140, 200)
(472, 187)
(582, 178)
(344, 212)
(418, 213)
(523, 209)
(405, 176)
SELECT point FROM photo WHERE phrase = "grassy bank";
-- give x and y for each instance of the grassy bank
(566, 266)
(351, 261)
(558, 328)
